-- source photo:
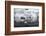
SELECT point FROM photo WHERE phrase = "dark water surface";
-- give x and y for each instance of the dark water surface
(29, 24)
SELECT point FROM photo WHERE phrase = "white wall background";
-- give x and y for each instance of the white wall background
(2, 18)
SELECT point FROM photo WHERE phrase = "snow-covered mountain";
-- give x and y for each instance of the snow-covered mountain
(27, 15)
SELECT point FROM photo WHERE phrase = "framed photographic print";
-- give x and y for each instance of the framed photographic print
(24, 17)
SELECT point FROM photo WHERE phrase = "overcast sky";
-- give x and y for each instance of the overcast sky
(25, 10)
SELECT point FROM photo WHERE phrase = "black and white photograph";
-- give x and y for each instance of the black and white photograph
(26, 17)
